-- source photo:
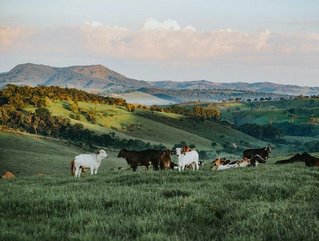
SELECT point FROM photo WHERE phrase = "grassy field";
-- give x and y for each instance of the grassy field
(26, 154)
(269, 202)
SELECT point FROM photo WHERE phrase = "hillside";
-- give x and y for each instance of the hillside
(93, 78)
(27, 154)
(87, 119)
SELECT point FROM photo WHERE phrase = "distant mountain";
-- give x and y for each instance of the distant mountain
(264, 87)
(99, 79)
(93, 78)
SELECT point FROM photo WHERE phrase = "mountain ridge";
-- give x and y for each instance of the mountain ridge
(100, 79)
(95, 78)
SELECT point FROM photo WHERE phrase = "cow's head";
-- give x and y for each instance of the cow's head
(269, 148)
(122, 153)
(217, 162)
(101, 153)
(178, 151)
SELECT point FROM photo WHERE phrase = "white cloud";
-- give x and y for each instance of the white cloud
(94, 23)
(153, 24)
(165, 41)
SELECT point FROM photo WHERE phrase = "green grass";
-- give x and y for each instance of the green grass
(264, 203)
(269, 202)
(297, 110)
(26, 154)
(207, 129)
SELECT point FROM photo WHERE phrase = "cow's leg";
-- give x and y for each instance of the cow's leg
(92, 170)
(79, 171)
(76, 171)
(197, 165)
(134, 168)
(96, 171)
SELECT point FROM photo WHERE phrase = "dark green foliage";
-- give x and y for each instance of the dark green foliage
(205, 155)
(36, 95)
(265, 132)
(298, 129)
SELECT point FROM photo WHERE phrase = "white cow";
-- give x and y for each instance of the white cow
(91, 161)
(187, 158)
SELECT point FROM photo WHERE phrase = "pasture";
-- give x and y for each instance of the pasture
(270, 202)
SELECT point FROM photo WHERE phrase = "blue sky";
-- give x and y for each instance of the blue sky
(223, 41)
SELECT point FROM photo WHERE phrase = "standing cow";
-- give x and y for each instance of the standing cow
(165, 160)
(141, 158)
(188, 158)
(261, 153)
(87, 161)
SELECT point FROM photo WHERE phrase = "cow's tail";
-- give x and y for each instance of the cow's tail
(72, 168)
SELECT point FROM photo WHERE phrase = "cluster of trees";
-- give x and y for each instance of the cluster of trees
(299, 129)
(263, 132)
(19, 96)
(197, 112)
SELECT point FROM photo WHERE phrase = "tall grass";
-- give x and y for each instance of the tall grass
(264, 203)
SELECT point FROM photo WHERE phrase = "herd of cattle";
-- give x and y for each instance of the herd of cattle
(161, 159)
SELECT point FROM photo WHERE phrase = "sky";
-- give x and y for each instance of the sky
(181, 40)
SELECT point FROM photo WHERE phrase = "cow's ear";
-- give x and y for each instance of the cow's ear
(97, 152)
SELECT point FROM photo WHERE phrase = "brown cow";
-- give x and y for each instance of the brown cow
(165, 160)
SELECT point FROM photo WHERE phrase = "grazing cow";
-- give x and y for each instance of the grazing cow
(186, 159)
(85, 161)
(141, 158)
(261, 153)
(304, 157)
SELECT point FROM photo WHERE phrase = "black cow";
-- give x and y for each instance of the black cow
(141, 158)
(261, 153)
(304, 157)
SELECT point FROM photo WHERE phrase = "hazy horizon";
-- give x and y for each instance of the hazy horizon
(229, 41)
